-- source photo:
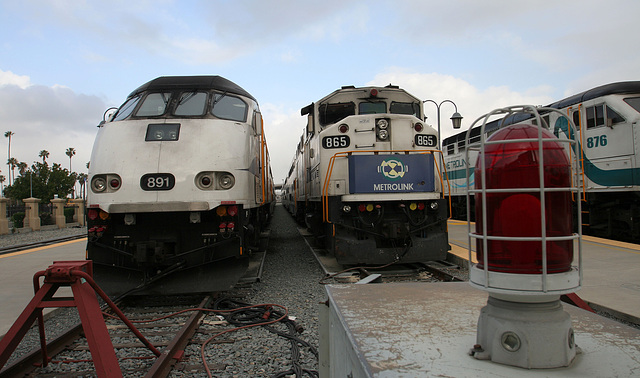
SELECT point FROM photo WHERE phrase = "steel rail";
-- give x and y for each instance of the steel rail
(173, 352)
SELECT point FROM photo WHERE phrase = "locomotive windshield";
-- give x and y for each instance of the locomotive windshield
(410, 108)
(191, 104)
(332, 113)
(186, 104)
(372, 107)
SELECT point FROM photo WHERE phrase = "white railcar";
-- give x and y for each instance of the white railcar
(608, 121)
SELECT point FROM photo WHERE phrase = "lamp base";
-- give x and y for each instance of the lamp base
(526, 335)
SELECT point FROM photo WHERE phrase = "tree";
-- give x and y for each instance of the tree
(8, 134)
(22, 167)
(82, 179)
(12, 163)
(46, 182)
(70, 152)
(44, 154)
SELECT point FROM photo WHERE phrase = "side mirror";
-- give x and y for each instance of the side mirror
(258, 122)
(308, 111)
(107, 116)
(310, 124)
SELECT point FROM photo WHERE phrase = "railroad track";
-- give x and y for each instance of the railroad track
(431, 271)
(72, 357)
(181, 329)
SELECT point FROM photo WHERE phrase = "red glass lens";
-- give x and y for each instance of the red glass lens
(518, 214)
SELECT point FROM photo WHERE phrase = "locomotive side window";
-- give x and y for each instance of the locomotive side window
(372, 108)
(410, 108)
(613, 116)
(461, 145)
(576, 118)
(451, 148)
(332, 113)
(154, 104)
(229, 107)
(126, 109)
(191, 104)
(634, 102)
(596, 116)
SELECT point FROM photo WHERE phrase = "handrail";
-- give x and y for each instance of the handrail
(581, 150)
(327, 178)
(262, 160)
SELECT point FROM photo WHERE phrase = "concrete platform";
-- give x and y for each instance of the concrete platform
(427, 330)
(16, 276)
(611, 272)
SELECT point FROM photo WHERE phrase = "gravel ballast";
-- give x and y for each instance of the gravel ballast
(290, 278)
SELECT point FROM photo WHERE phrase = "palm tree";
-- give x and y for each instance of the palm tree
(12, 163)
(8, 134)
(44, 154)
(22, 168)
(82, 179)
(70, 152)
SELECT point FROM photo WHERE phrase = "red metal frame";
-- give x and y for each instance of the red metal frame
(79, 276)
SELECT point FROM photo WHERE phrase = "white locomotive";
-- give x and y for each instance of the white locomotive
(608, 121)
(365, 178)
(180, 187)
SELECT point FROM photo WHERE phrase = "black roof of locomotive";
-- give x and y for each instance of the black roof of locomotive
(192, 82)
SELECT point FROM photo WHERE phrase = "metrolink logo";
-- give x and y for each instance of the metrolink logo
(393, 170)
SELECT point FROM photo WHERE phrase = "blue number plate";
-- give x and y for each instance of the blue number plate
(157, 181)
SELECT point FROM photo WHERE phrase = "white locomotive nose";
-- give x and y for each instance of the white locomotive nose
(180, 164)
(363, 174)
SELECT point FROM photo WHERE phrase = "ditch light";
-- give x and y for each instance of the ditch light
(524, 234)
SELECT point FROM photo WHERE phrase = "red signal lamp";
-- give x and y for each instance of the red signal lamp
(518, 213)
(373, 92)
(525, 242)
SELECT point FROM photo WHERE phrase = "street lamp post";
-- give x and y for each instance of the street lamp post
(456, 118)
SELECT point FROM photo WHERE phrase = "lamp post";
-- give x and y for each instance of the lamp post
(456, 118)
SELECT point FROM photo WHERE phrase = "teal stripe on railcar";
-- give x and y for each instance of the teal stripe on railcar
(613, 177)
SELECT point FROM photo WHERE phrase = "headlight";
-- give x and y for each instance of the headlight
(383, 134)
(226, 181)
(204, 180)
(99, 184)
(382, 124)
(108, 183)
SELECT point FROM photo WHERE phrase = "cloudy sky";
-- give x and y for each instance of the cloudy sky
(64, 62)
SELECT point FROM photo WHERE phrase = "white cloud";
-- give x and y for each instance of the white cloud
(283, 129)
(471, 102)
(49, 118)
(9, 78)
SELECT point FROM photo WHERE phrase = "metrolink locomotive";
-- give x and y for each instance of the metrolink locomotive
(365, 178)
(608, 121)
(180, 187)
